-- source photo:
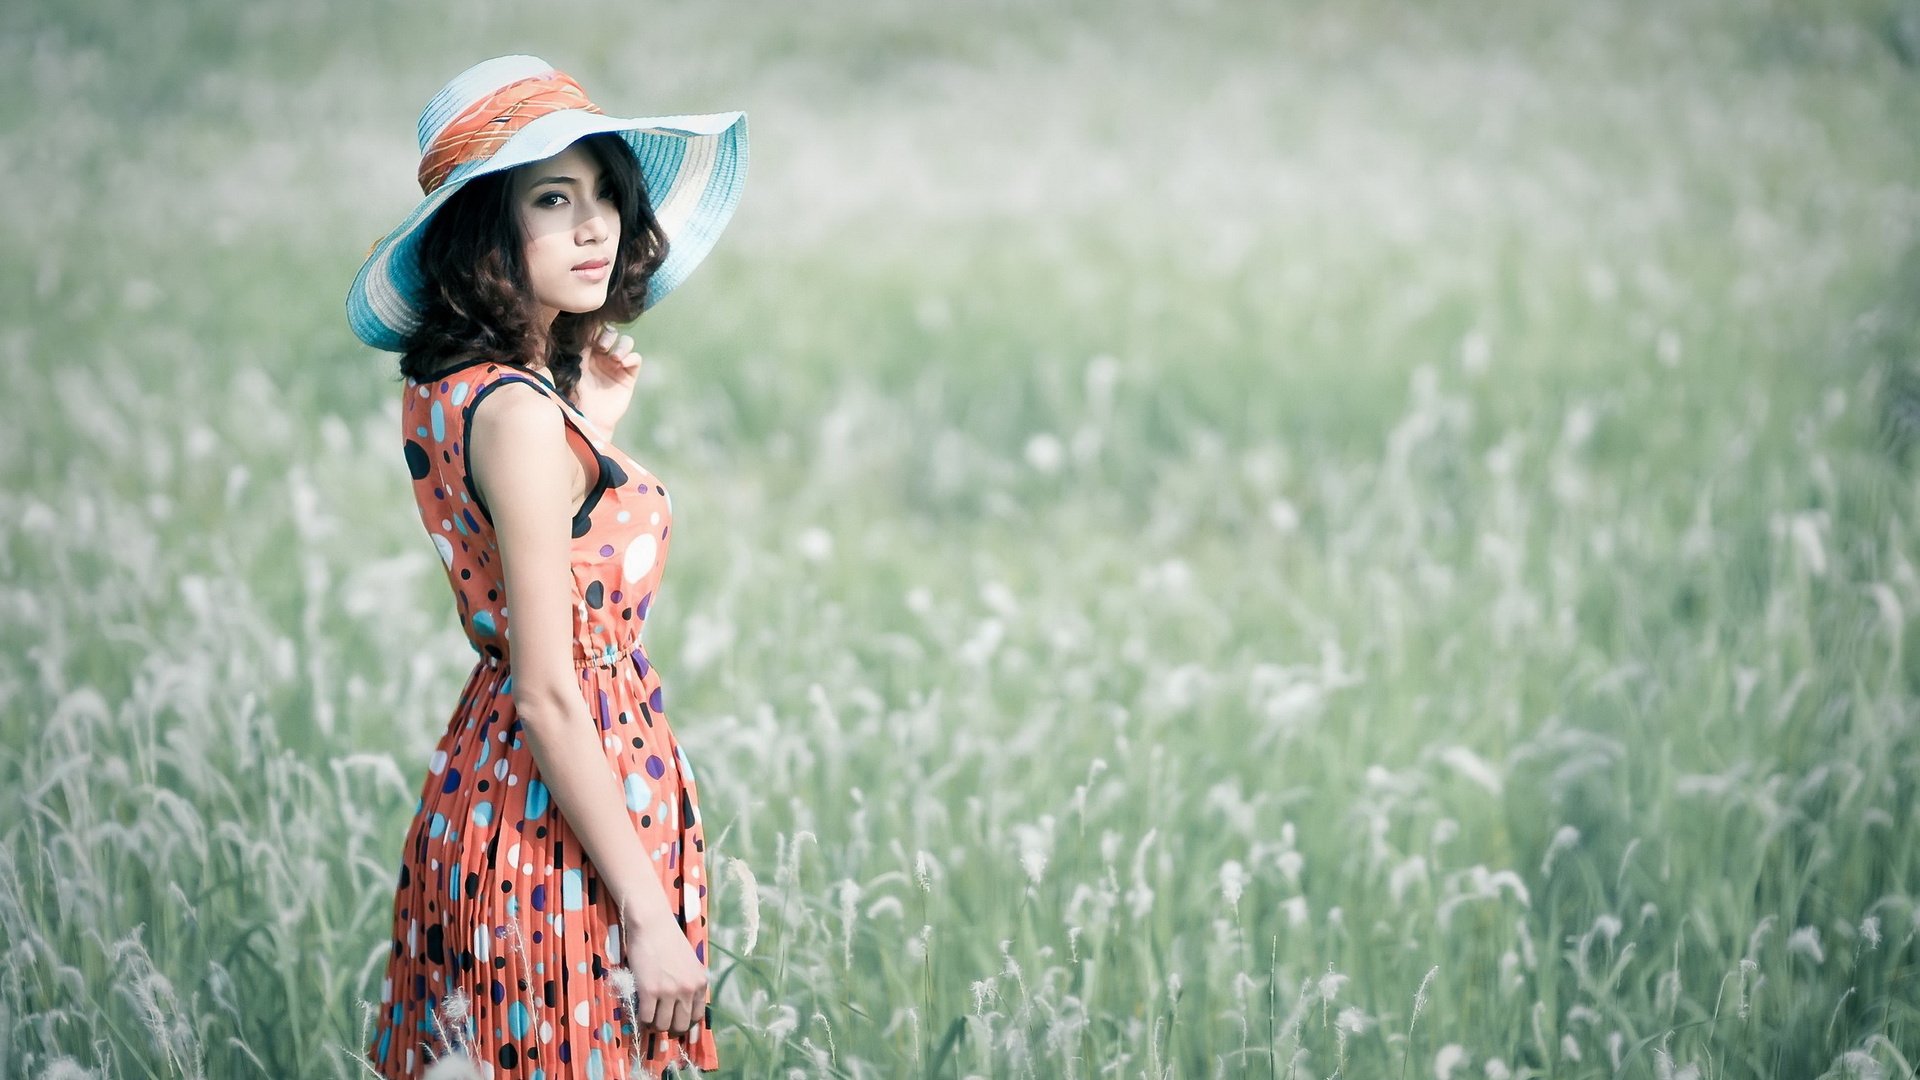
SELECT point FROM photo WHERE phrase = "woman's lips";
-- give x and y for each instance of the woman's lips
(596, 270)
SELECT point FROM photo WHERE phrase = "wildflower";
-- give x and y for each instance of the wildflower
(1420, 997)
(742, 875)
(1806, 942)
(1233, 883)
(1563, 840)
(1330, 984)
(1045, 453)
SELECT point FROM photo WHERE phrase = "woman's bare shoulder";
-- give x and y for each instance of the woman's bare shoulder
(517, 437)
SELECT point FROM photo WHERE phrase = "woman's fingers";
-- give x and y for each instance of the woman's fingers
(616, 346)
(682, 1016)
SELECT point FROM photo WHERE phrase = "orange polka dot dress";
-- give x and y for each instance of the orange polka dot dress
(495, 897)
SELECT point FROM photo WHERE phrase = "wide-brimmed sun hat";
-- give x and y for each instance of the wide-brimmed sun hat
(513, 110)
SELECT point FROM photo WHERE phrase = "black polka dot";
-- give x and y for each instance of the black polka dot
(611, 470)
(417, 462)
(596, 594)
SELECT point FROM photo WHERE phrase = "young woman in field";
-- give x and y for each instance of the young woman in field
(550, 917)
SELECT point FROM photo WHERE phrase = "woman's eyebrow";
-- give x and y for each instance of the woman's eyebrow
(554, 180)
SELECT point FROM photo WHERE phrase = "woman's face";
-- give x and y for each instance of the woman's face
(572, 231)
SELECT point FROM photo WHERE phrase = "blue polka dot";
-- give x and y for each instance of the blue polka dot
(536, 800)
(438, 825)
(452, 783)
(637, 794)
(438, 418)
(570, 891)
(596, 1069)
(483, 622)
(518, 1019)
(459, 393)
(483, 814)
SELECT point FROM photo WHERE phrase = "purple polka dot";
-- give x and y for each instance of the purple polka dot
(539, 898)
(606, 551)
(616, 596)
(645, 603)
(657, 700)
(643, 489)
(655, 767)
(699, 952)
(452, 784)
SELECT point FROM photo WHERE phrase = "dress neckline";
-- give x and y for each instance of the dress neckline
(507, 364)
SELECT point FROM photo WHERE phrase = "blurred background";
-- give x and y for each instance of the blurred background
(1215, 538)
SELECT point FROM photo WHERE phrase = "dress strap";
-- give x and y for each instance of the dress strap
(594, 436)
(605, 471)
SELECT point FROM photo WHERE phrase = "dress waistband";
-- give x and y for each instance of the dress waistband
(609, 654)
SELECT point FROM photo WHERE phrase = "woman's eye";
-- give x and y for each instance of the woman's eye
(551, 198)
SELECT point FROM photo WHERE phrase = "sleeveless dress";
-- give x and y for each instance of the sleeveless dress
(495, 896)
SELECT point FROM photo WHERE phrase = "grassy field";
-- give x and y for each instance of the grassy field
(1215, 539)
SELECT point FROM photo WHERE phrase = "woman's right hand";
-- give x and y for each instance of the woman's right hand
(669, 981)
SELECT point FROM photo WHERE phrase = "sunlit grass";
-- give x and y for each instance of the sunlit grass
(1212, 542)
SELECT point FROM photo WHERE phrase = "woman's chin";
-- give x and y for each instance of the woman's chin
(583, 303)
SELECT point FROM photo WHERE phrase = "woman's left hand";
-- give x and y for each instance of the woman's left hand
(608, 370)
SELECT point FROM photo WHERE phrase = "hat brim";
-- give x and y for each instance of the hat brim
(694, 167)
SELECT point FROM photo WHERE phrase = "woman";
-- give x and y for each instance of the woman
(550, 918)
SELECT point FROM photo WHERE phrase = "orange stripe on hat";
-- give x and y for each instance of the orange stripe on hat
(491, 121)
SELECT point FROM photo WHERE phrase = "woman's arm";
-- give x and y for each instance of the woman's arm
(525, 469)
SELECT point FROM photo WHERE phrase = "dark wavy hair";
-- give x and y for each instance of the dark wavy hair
(477, 304)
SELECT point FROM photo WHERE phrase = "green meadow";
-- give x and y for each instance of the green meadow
(1213, 539)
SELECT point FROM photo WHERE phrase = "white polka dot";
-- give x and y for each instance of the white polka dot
(439, 763)
(655, 519)
(546, 1031)
(446, 525)
(513, 855)
(640, 555)
(445, 547)
(580, 1014)
(623, 517)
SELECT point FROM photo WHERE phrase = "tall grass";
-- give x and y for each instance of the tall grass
(1214, 540)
